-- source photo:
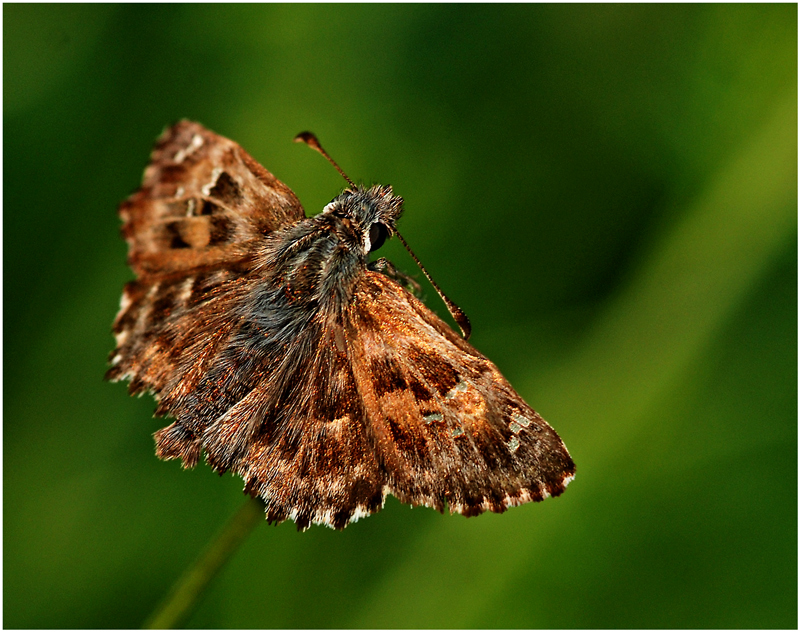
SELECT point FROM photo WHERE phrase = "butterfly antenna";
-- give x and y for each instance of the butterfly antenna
(455, 311)
(311, 140)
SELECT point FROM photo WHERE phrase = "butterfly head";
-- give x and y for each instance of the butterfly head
(369, 213)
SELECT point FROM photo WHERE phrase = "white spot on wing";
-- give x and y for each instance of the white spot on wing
(323, 518)
(144, 313)
(125, 376)
(186, 290)
(326, 517)
(513, 444)
(523, 497)
(522, 421)
(458, 388)
(124, 301)
(194, 145)
(363, 512)
(214, 177)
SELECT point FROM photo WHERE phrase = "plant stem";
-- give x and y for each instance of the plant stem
(183, 597)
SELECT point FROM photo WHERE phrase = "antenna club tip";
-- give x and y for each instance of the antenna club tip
(465, 326)
(461, 319)
(309, 138)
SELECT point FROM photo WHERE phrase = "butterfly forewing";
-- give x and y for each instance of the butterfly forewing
(203, 201)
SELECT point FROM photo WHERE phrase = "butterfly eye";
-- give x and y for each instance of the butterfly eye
(377, 235)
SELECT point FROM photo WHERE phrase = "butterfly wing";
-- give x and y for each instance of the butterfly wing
(192, 229)
(382, 399)
(300, 438)
(449, 428)
(202, 202)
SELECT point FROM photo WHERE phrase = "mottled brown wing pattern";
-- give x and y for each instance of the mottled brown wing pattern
(291, 425)
(203, 200)
(313, 457)
(191, 228)
(171, 332)
(449, 427)
(326, 386)
(384, 400)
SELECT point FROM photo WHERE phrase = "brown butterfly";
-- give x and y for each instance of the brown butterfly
(290, 360)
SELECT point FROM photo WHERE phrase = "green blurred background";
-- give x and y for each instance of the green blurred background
(609, 191)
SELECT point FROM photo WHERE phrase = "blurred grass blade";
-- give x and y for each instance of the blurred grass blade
(184, 595)
(690, 282)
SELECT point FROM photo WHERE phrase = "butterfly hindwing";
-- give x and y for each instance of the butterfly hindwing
(300, 438)
(450, 427)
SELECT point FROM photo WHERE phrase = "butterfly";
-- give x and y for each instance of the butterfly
(287, 357)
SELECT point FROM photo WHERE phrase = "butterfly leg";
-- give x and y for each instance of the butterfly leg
(386, 267)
